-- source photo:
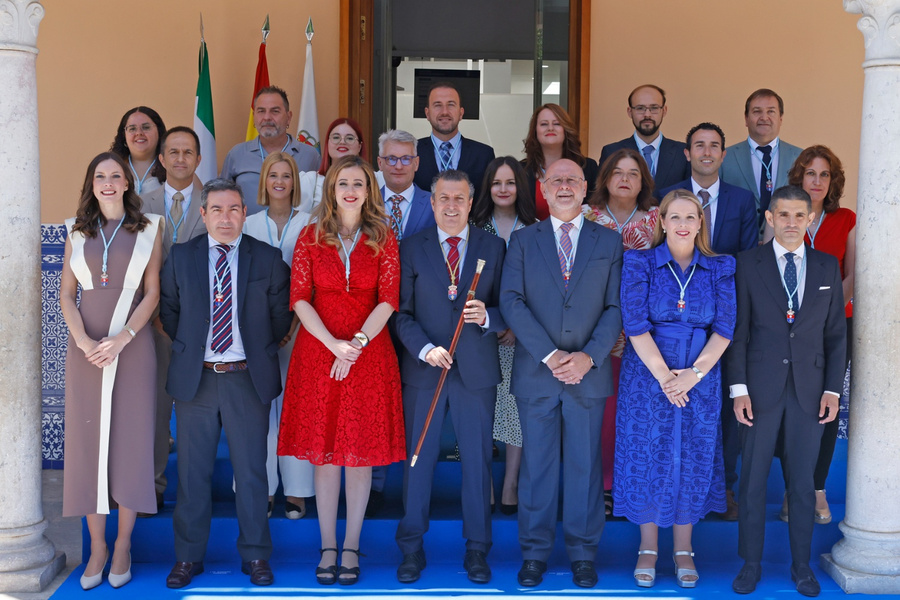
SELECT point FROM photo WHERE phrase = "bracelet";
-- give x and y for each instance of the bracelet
(130, 331)
(362, 338)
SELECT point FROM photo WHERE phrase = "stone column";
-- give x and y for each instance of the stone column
(867, 559)
(28, 560)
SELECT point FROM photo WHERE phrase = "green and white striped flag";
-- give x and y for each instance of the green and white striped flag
(204, 123)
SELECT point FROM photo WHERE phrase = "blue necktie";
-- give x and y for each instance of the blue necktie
(648, 158)
(765, 194)
(565, 251)
(790, 279)
(221, 336)
(445, 150)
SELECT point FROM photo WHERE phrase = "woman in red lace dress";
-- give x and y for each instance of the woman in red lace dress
(342, 403)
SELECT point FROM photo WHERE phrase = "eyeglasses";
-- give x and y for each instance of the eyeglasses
(337, 138)
(145, 127)
(570, 182)
(405, 160)
(653, 109)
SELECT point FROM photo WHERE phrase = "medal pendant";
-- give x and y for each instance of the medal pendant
(681, 306)
(769, 185)
(220, 298)
(104, 279)
(790, 316)
(567, 274)
(451, 292)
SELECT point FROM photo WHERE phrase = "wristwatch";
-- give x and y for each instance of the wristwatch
(130, 331)
(362, 338)
(700, 374)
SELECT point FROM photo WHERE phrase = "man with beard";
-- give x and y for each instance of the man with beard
(446, 148)
(271, 117)
(647, 109)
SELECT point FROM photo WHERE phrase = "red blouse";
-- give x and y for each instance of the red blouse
(832, 238)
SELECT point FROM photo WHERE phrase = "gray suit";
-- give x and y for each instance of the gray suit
(546, 315)
(192, 226)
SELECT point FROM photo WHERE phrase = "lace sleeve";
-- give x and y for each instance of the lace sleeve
(301, 270)
(389, 273)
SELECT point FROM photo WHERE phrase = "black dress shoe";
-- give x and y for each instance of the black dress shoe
(376, 503)
(475, 564)
(259, 571)
(747, 578)
(182, 574)
(411, 567)
(807, 584)
(532, 572)
(509, 509)
(583, 573)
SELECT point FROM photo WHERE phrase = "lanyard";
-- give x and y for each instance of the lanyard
(619, 228)
(175, 225)
(220, 281)
(437, 147)
(681, 303)
(569, 258)
(262, 152)
(497, 229)
(790, 293)
(104, 274)
(347, 254)
(139, 183)
(283, 231)
(812, 235)
(770, 183)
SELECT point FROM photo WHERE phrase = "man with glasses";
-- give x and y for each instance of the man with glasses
(271, 117)
(446, 148)
(647, 109)
(560, 296)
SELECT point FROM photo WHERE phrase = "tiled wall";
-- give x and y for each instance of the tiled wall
(55, 336)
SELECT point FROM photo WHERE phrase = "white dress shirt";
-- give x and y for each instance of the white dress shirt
(713, 201)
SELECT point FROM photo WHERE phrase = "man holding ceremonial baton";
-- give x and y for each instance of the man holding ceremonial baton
(437, 268)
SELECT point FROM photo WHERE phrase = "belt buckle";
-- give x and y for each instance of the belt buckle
(216, 367)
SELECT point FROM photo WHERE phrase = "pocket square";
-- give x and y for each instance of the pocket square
(824, 287)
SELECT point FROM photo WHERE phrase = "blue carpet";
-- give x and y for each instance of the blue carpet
(295, 558)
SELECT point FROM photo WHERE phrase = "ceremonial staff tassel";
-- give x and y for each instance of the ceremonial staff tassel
(437, 392)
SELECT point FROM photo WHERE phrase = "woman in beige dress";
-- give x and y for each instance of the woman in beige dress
(113, 254)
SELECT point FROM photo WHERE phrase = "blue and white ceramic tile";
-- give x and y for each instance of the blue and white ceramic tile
(55, 336)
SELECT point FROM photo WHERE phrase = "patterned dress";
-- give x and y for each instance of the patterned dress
(357, 422)
(668, 460)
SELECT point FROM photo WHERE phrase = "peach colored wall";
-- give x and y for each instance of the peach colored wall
(709, 55)
(100, 58)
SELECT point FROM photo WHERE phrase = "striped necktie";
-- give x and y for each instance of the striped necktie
(221, 336)
(396, 216)
(565, 251)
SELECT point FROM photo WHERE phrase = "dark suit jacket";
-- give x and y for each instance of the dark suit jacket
(765, 345)
(191, 227)
(735, 229)
(473, 159)
(545, 315)
(672, 166)
(263, 285)
(737, 168)
(421, 215)
(426, 315)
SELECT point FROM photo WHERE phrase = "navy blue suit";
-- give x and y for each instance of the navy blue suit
(671, 167)
(206, 402)
(427, 316)
(473, 161)
(421, 215)
(735, 229)
(546, 315)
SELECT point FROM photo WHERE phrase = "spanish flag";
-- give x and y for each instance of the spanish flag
(262, 79)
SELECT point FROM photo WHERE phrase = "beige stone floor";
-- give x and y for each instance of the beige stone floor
(65, 533)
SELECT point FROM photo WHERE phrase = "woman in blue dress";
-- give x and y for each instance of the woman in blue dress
(678, 309)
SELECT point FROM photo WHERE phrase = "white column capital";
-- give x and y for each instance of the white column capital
(19, 21)
(880, 26)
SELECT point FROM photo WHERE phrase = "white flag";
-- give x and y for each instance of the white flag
(308, 121)
(204, 124)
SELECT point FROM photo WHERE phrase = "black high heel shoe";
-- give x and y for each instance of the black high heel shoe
(349, 575)
(327, 575)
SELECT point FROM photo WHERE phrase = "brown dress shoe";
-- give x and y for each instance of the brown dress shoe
(731, 510)
(182, 574)
(259, 571)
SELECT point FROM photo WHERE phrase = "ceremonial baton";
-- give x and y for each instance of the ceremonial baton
(437, 392)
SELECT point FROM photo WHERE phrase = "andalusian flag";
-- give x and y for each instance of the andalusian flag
(308, 121)
(204, 124)
(262, 78)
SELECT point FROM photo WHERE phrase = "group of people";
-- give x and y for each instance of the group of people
(308, 306)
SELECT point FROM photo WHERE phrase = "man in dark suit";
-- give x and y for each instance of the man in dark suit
(761, 163)
(732, 212)
(224, 304)
(178, 200)
(786, 370)
(647, 109)
(436, 266)
(446, 148)
(409, 211)
(561, 298)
